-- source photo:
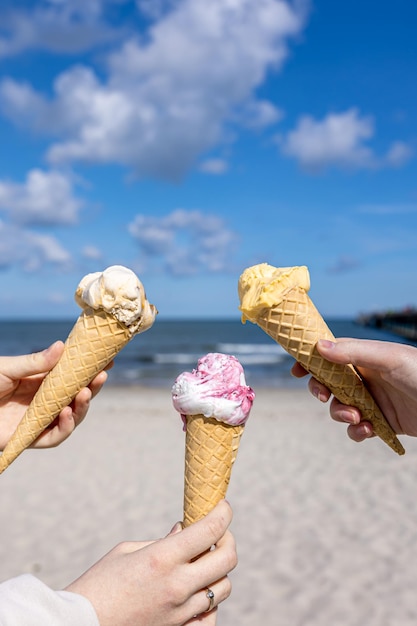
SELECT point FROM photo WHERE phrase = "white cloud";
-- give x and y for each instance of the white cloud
(339, 140)
(387, 209)
(154, 9)
(259, 114)
(30, 250)
(169, 95)
(214, 166)
(44, 200)
(58, 26)
(21, 103)
(56, 297)
(398, 154)
(184, 242)
(92, 252)
(46, 197)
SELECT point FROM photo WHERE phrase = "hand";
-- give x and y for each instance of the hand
(20, 378)
(390, 372)
(157, 583)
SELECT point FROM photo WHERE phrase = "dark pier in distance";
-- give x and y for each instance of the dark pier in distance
(402, 323)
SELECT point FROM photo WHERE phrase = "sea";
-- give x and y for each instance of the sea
(156, 357)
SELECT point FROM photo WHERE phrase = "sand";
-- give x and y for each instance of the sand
(326, 528)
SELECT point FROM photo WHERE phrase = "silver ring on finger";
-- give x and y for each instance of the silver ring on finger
(210, 597)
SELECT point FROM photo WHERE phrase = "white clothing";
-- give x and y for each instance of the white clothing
(26, 601)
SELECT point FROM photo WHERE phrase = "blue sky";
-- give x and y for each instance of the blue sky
(190, 139)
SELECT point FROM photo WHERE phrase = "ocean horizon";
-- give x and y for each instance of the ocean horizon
(156, 357)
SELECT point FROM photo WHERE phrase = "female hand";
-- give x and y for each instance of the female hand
(20, 378)
(390, 372)
(158, 583)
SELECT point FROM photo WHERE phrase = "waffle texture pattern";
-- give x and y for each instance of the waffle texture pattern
(296, 325)
(93, 342)
(210, 451)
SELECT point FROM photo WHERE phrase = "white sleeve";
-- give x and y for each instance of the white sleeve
(26, 601)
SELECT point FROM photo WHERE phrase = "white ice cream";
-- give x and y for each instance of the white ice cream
(118, 291)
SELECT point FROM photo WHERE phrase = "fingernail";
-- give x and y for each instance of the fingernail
(365, 430)
(326, 344)
(317, 393)
(51, 347)
(176, 528)
(348, 417)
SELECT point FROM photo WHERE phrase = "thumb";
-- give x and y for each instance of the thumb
(16, 367)
(366, 353)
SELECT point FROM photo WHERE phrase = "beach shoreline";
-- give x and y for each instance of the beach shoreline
(326, 529)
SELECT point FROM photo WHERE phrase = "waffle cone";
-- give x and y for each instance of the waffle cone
(297, 325)
(210, 451)
(93, 342)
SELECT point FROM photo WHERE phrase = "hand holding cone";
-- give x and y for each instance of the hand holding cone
(214, 402)
(95, 339)
(276, 299)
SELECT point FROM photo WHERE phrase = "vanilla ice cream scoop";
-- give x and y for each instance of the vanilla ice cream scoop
(217, 389)
(118, 291)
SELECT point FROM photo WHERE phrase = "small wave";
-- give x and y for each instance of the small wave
(175, 358)
(251, 348)
(248, 358)
(265, 359)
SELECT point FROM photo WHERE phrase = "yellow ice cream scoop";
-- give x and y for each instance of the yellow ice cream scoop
(263, 286)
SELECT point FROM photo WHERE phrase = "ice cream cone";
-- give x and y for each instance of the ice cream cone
(296, 325)
(211, 450)
(214, 403)
(93, 342)
(115, 309)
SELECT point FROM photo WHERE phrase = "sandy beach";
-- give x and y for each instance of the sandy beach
(326, 529)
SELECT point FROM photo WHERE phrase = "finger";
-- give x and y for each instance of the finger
(199, 603)
(81, 404)
(207, 619)
(109, 365)
(199, 537)
(357, 430)
(318, 390)
(216, 563)
(365, 353)
(177, 528)
(65, 423)
(360, 432)
(29, 364)
(60, 429)
(97, 383)
(298, 370)
(343, 413)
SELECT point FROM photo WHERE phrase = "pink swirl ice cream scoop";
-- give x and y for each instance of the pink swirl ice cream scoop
(217, 389)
